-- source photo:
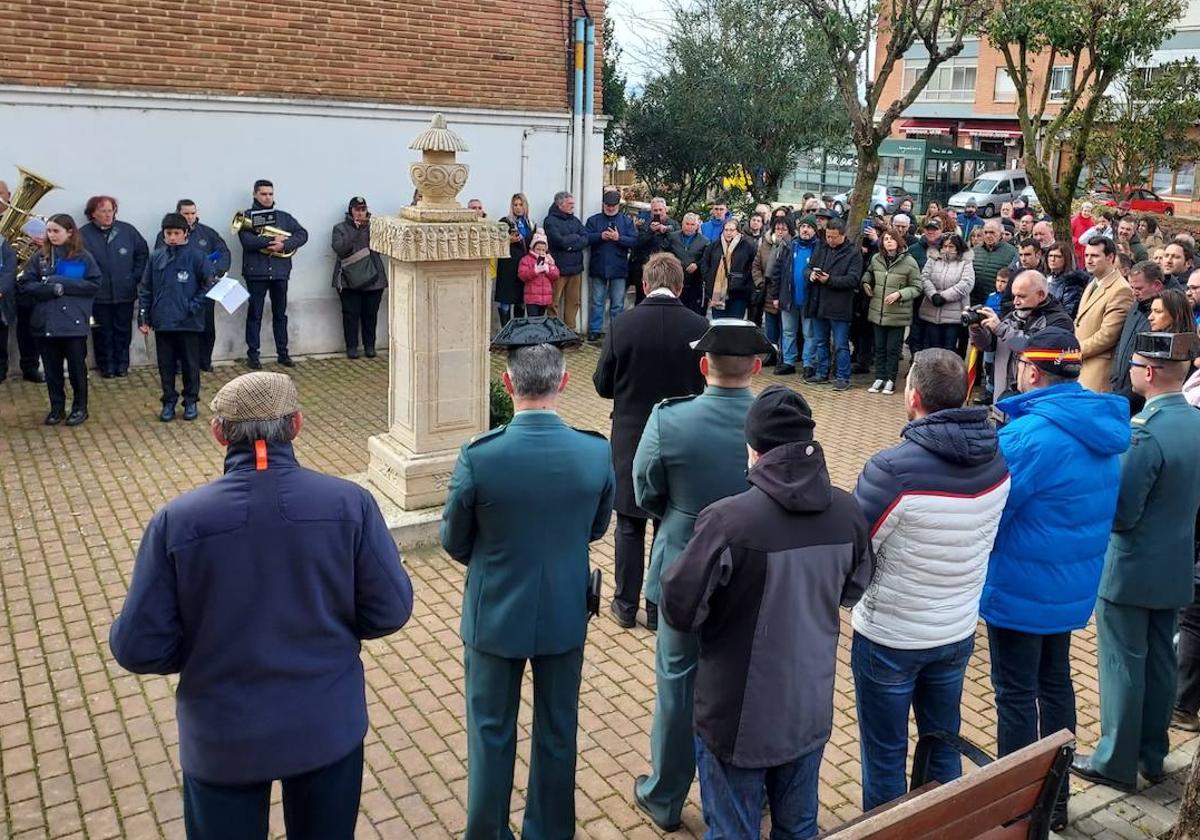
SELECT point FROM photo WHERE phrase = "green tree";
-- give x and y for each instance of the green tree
(937, 26)
(1145, 122)
(1096, 42)
(613, 83)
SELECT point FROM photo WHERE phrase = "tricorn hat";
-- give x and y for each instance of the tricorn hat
(733, 337)
(1170, 347)
(530, 332)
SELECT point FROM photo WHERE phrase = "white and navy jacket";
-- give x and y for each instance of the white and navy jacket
(934, 504)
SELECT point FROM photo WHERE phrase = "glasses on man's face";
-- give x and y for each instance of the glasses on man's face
(1132, 363)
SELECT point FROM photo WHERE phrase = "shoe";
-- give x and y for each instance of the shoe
(1081, 766)
(784, 369)
(1187, 721)
(286, 361)
(594, 338)
(771, 359)
(122, 373)
(876, 387)
(651, 616)
(54, 417)
(841, 385)
(77, 416)
(107, 374)
(623, 620)
(809, 373)
(860, 368)
(168, 412)
(253, 363)
(369, 352)
(1154, 776)
(206, 368)
(816, 380)
(190, 411)
(351, 354)
(36, 376)
(645, 809)
(889, 387)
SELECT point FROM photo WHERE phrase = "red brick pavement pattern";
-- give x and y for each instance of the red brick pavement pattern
(88, 751)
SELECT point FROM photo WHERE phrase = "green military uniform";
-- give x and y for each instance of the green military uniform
(524, 502)
(692, 453)
(1147, 578)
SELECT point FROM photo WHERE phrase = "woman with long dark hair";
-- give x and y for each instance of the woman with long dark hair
(62, 280)
(1066, 283)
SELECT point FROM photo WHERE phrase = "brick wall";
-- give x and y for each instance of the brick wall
(482, 53)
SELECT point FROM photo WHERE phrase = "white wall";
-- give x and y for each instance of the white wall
(148, 150)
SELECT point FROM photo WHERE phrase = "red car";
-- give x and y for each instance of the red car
(1140, 200)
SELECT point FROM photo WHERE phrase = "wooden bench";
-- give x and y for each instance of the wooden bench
(1005, 799)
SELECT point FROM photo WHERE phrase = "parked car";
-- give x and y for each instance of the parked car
(990, 190)
(884, 200)
(1141, 200)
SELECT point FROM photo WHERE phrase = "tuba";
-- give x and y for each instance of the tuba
(19, 210)
(242, 222)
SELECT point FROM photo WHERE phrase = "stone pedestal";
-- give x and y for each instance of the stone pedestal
(440, 308)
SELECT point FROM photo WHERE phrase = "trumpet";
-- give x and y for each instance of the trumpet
(242, 222)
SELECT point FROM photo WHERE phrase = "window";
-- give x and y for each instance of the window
(1019, 184)
(1060, 83)
(953, 81)
(1185, 179)
(1162, 180)
(1003, 90)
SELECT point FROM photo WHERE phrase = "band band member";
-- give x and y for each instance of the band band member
(213, 245)
(121, 253)
(359, 276)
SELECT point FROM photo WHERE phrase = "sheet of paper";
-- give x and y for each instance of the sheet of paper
(228, 292)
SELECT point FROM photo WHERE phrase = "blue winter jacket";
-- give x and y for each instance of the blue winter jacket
(171, 297)
(61, 290)
(210, 243)
(257, 588)
(1063, 447)
(966, 224)
(712, 228)
(567, 239)
(257, 265)
(610, 259)
(121, 253)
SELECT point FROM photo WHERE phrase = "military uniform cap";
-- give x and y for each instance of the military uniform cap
(530, 332)
(733, 337)
(256, 396)
(1170, 347)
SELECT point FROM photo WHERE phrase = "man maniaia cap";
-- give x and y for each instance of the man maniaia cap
(256, 396)
(733, 337)
(1053, 349)
(1170, 347)
(530, 332)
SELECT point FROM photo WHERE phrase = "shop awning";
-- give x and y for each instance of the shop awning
(924, 127)
(991, 129)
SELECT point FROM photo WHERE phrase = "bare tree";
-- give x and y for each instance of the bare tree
(940, 26)
(1187, 825)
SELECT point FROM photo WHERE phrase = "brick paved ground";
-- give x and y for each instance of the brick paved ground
(87, 750)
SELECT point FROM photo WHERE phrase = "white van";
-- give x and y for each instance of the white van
(990, 190)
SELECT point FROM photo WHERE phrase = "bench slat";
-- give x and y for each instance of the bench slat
(1016, 831)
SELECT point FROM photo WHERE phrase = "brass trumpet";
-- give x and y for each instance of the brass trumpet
(242, 222)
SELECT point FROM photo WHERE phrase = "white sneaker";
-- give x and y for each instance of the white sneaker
(875, 386)
(890, 387)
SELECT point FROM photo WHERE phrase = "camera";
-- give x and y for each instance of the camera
(973, 315)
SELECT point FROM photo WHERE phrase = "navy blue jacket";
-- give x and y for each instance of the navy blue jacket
(8, 283)
(210, 243)
(610, 260)
(257, 588)
(257, 265)
(65, 315)
(171, 297)
(567, 239)
(121, 253)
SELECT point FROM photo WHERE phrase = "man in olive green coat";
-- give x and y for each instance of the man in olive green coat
(692, 453)
(1148, 569)
(521, 523)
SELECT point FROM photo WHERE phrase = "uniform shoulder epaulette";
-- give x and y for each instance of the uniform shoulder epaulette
(591, 432)
(674, 400)
(490, 433)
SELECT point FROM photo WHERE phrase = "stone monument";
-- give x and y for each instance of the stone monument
(440, 304)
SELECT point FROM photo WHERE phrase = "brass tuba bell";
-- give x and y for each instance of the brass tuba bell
(19, 210)
(242, 222)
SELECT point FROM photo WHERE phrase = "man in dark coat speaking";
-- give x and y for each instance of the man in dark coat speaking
(646, 359)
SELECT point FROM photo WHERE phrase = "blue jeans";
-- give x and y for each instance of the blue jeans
(887, 682)
(734, 308)
(809, 352)
(732, 797)
(600, 290)
(940, 335)
(1031, 675)
(791, 326)
(839, 331)
(771, 325)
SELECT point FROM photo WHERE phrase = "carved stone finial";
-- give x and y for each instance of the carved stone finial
(439, 176)
(438, 138)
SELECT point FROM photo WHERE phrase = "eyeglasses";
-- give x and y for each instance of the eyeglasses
(1132, 363)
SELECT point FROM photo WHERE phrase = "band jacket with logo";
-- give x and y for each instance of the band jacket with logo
(121, 253)
(66, 315)
(259, 266)
(171, 297)
(210, 243)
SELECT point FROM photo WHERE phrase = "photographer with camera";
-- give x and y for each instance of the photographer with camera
(1033, 311)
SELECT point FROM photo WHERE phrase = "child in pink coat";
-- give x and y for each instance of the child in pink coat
(538, 272)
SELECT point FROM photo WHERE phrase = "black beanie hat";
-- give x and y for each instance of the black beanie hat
(779, 416)
(174, 221)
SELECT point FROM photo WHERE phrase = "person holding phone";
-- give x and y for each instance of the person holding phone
(510, 296)
(538, 272)
(611, 234)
